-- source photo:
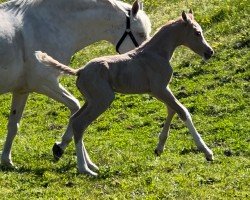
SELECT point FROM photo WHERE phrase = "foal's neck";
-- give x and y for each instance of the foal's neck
(165, 41)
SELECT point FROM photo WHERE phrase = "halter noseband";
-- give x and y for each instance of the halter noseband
(127, 32)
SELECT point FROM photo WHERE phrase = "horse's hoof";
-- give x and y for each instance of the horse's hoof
(57, 151)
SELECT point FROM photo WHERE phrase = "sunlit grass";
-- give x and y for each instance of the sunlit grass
(122, 140)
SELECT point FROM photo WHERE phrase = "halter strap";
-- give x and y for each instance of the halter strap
(127, 32)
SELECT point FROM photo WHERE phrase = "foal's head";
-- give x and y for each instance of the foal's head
(194, 38)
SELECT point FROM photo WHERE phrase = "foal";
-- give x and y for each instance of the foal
(143, 70)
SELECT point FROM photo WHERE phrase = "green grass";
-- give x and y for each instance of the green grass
(122, 140)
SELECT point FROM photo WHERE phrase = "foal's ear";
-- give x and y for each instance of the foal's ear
(191, 12)
(135, 8)
(185, 17)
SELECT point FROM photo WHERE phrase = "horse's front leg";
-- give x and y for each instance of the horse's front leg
(168, 98)
(163, 136)
(17, 107)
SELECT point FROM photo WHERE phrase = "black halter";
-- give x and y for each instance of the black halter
(127, 32)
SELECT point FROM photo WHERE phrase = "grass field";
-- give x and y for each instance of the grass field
(122, 140)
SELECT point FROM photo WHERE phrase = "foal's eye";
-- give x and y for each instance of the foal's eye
(198, 33)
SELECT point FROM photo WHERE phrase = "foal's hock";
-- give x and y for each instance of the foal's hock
(143, 70)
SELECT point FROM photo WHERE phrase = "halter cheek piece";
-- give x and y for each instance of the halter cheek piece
(127, 32)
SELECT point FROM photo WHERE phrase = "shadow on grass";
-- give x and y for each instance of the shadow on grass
(40, 170)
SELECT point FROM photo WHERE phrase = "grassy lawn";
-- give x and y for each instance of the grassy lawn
(121, 142)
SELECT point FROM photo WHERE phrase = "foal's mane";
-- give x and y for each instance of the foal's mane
(169, 24)
(174, 22)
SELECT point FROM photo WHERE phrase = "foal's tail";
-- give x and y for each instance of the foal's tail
(49, 61)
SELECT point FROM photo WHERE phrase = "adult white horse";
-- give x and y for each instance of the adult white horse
(60, 28)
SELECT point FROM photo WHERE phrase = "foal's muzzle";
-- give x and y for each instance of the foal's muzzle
(208, 54)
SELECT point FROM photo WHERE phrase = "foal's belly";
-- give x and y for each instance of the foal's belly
(131, 83)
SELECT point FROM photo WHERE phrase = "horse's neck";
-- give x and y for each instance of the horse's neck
(165, 41)
(71, 26)
(89, 21)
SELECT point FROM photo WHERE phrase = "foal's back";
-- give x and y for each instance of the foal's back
(126, 73)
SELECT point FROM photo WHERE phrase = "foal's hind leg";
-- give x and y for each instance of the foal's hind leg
(163, 136)
(168, 98)
(17, 107)
(80, 121)
(99, 96)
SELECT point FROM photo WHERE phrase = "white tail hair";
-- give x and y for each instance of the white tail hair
(49, 61)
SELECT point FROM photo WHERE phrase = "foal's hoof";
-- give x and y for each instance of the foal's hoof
(7, 166)
(93, 167)
(57, 151)
(88, 172)
(157, 152)
(210, 157)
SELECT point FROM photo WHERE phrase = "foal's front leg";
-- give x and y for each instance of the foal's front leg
(163, 136)
(168, 98)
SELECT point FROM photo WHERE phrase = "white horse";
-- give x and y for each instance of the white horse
(143, 70)
(60, 28)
